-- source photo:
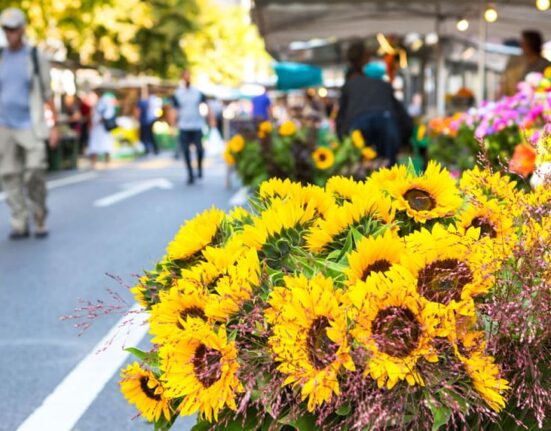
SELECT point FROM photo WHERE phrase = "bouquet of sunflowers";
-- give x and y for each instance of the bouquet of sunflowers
(403, 302)
(305, 155)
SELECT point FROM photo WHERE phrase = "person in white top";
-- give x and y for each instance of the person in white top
(187, 100)
(101, 139)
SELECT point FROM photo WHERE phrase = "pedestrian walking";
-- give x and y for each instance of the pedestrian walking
(369, 105)
(187, 100)
(25, 93)
(149, 108)
(103, 121)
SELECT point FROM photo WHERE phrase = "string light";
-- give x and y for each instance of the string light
(543, 4)
(490, 14)
(462, 25)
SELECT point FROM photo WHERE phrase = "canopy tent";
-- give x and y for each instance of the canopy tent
(286, 24)
(292, 76)
(282, 22)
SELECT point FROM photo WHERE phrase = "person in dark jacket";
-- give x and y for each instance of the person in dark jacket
(369, 105)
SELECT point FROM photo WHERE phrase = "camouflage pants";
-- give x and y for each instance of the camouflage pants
(22, 170)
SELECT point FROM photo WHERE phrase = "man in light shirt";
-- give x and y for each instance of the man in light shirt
(187, 100)
(24, 92)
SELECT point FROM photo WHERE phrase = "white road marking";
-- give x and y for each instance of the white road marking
(240, 198)
(137, 188)
(63, 408)
(62, 182)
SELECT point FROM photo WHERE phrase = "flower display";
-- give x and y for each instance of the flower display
(405, 301)
(302, 154)
(500, 131)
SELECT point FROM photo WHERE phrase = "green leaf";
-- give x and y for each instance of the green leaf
(440, 413)
(306, 422)
(149, 358)
(344, 410)
(140, 354)
(201, 425)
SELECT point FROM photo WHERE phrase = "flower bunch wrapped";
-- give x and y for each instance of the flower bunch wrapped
(402, 302)
(496, 128)
(300, 154)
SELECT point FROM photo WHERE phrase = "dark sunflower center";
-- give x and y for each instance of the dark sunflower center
(321, 350)
(207, 366)
(149, 393)
(419, 200)
(322, 157)
(486, 228)
(396, 331)
(443, 280)
(381, 265)
(190, 312)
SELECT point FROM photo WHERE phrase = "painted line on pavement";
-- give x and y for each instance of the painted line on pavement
(63, 408)
(143, 186)
(240, 197)
(62, 182)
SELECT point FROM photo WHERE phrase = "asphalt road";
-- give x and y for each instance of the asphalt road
(42, 280)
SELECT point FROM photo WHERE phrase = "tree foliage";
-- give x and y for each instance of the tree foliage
(156, 37)
(226, 45)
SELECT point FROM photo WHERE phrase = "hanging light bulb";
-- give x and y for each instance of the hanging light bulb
(490, 14)
(463, 24)
(543, 4)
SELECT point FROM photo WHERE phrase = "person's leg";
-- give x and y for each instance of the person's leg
(34, 178)
(198, 140)
(11, 171)
(390, 135)
(152, 139)
(144, 138)
(185, 141)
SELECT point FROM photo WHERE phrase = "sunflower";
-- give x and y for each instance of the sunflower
(324, 158)
(139, 291)
(216, 261)
(374, 255)
(385, 177)
(493, 221)
(484, 373)
(278, 188)
(201, 369)
(346, 188)
(288, 190)
(366, 214)
(184, 303)
(238, 215)
(228, 157)
(448, 268)
(430, 196)
(310, 341)
(236, 144)
(369, 153)
(142, 388)
(278, 219)
(288, 128)
(358, 139)
(264, 129)
(484, 183)
(232, 290)
(394, 325)
(195, 235)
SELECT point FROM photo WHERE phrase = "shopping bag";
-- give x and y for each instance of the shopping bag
(214, 144)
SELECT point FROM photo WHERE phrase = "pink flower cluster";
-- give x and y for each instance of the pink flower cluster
(529, 109)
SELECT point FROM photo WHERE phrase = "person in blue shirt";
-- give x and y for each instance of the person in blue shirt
(262, 107)
(25, 92)
(148, 115)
